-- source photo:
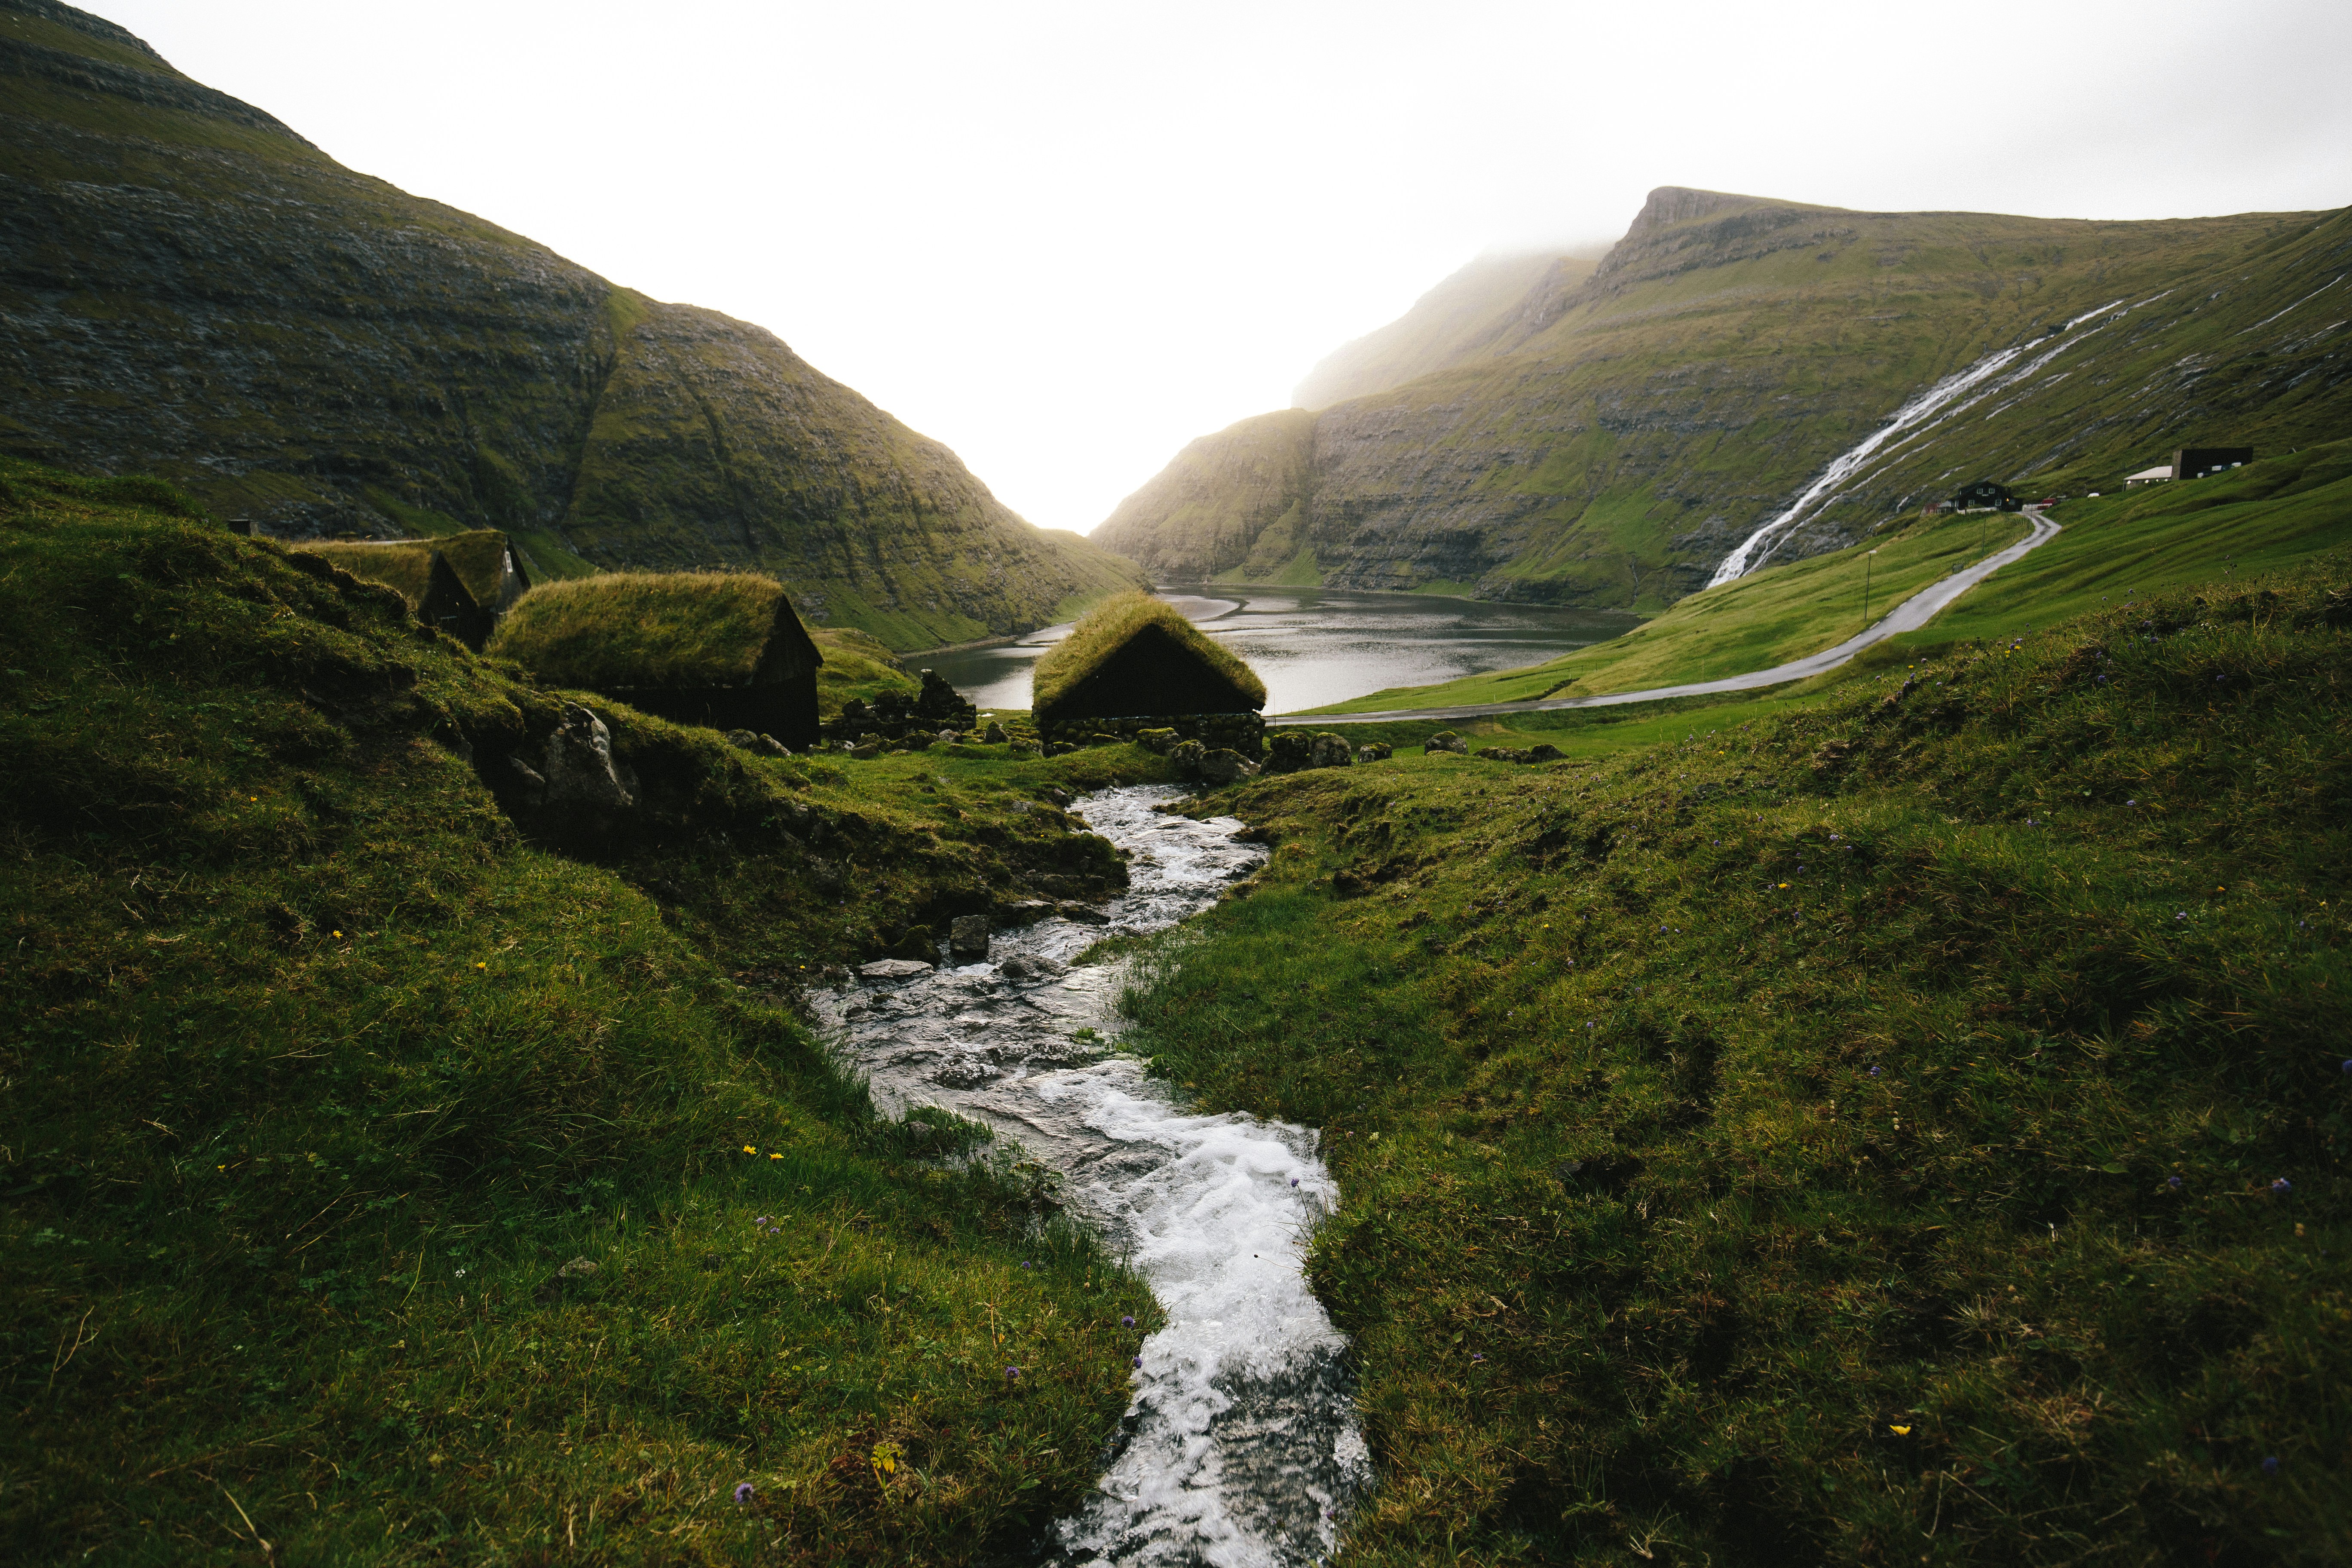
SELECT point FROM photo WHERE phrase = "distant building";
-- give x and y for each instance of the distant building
(2195, 462)
(2148, 477)
(717, 648)
(1135, 662)
(1985, 495)
(460, 583)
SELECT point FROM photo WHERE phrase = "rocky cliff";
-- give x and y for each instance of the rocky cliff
(188, 288)
(1610, 438)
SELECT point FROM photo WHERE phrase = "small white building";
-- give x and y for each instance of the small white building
(2155, 476)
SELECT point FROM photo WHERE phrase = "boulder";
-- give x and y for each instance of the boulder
(1162, 741)
(1225, 766)
(891, 970)
(1186, 755)
(967, 937)
(1332, 751)
(1023, 912)
(1502, 754)
(950, 737)
(1544, 753)
(995, 735)
(1058, 796)
(1445, 740)
(1288, 751)
(576, 768)
(1375, 752)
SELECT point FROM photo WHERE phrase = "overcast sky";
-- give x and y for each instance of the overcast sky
(1068, 238)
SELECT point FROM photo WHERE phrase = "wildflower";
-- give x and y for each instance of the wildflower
(2271, 1466)
(742, 1491)
(2281, 1187)
(2348, 1067)
(749, 1150)
(1138, 1361)
(2131, 803)
(2181, 915)
(761, 1220)
(1012, 1373)
(1025, 1263)
(1476, 1358)
(2173, 1181)
(481, 966)
(1126, 1322)
(1900, 1431)
(774, 1156)
(1784, 885)
(1873, 1072)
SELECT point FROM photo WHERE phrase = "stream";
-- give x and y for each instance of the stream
(1240, 1448)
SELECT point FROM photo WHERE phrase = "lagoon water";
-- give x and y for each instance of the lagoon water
(1319, 646)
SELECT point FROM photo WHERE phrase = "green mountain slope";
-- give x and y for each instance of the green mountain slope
(2265, 516)
(1468, 313)
(188, 288)
(1626, 432)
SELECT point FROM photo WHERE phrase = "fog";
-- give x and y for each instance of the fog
(1068, 238)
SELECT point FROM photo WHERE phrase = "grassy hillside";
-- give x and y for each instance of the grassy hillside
(1230, 507)
(1454, 321)
(328, 1053)
(1872, 1129)
(2265, 516)
(1624, 432)
(855, 664)
(324, 352)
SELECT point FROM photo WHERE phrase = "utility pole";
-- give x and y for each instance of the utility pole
(1865, 588)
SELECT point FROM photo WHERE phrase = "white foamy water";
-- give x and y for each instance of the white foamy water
(1929, 408)
(1240, 1448)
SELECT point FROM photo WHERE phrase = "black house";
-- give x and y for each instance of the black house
(1985, 493)
(2195, 462)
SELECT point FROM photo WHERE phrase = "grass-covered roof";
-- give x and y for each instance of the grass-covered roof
(1137, 655)
(682, 629)
(477, 556)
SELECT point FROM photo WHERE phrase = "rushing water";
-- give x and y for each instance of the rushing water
(1240, 1448)
(1317, 646)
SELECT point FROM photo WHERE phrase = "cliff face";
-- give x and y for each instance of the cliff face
(187, 288)
(1458, 320)
(1612, 437)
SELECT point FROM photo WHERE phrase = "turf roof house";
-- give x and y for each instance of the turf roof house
(460, 583)
(721, 648)
(1136, 663)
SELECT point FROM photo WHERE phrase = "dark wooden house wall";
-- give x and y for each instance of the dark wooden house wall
(785, 709)
(1150, 674)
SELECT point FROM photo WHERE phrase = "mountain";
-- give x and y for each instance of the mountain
(1468, 312)
(1736, 365)
(188, 288)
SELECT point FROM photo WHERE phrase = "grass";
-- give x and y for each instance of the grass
(1843, 1133)
(321, 1071)
(1768, 617)
(648, 628)
(1115, 623)
(477, 556)
(855, 664)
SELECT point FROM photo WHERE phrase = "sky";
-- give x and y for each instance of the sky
(1065, 240)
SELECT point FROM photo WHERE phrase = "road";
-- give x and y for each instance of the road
(1908, 616)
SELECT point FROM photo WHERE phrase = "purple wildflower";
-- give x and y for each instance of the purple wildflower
(1138, 1361)
(1013, 1372)
(1126, 1322)
(2348, 1064)
(1873, 1072)
(2348, 1067)
(742, 1491)
(2173, 1181)
(1477, 1358)
(2270, 1466)
(2281, 1187)
(1025, 1263)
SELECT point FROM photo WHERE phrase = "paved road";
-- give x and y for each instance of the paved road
(1908, 616)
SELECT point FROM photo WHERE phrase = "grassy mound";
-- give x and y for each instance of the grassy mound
(1906, 1128)
(855, 664)
(646, 628)
(1089, 654)
(323, 1078)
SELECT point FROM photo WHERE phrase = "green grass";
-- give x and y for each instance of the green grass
(2262, 518)
(320, 1069)
(855, 664)
(1768, 617)
(645, 628)
(1756, 1142)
